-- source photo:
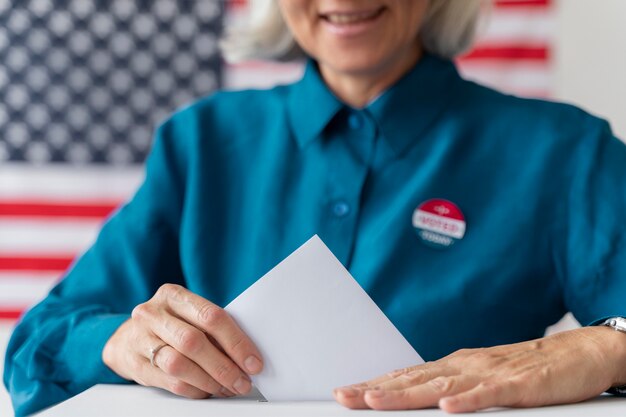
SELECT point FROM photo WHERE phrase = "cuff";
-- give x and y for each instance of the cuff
(600, 321)
(84, 349)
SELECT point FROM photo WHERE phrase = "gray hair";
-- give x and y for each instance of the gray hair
(448, 29)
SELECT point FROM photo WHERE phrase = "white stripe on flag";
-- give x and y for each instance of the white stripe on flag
(507, 26)
(261, 74)
(26, 236)
(18, 181)
(527, 78)
(24, 290)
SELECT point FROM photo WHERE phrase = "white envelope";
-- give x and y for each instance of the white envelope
(316, 328)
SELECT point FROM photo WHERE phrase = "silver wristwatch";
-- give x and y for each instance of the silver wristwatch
(619, 324)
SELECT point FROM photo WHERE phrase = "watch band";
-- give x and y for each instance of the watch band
(620, 391)
(618, 324)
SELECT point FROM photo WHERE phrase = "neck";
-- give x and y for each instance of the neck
(358, 88)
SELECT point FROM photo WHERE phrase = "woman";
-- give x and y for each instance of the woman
(473, 219)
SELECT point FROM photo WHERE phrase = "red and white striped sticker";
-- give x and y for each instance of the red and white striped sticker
(439, 223)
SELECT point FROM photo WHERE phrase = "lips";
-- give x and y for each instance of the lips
(352, 17)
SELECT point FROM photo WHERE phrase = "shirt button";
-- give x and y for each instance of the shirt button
(355, 121)
(341, 209)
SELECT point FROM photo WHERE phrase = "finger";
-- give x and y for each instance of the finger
(484, 395)
(216, 322)
(392, 375)
(415, 377)
(176, 365)
(151, 376)
(194, 344)
(352, 395)
(419, 396)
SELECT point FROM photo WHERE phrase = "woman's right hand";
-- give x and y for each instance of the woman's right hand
(205, 353)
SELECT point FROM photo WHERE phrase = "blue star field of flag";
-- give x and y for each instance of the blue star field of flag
(87, 81)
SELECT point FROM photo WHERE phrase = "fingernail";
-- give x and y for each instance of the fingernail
(242, 385)
(451, 404)
(226, 393)
(253, 365)
(348, 392)
(376, 393)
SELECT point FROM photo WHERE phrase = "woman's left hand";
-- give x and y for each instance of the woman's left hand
(563, 368)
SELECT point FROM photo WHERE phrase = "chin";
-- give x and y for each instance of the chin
(354, 64)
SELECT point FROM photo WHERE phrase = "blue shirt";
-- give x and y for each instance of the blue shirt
(238, 180)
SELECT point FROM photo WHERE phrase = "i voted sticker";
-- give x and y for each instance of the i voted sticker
(439, 223)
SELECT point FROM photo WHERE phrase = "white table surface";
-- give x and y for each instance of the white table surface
(138, 401)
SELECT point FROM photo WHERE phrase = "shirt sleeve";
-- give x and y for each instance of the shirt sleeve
(593, 267)
(55, 350)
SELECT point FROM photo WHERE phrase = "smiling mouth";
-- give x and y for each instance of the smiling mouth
(351, 18)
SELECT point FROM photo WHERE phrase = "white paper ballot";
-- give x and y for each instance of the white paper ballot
(316, 328)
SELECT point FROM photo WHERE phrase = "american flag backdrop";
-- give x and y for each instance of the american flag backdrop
(83, 83)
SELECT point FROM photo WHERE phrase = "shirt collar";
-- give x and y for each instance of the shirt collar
(311, 105)
(403, 112)
(408, 108)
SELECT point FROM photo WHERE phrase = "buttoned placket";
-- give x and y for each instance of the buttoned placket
(350, 141)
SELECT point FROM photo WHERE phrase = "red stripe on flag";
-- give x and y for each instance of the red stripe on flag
(509, 53)
(36, 263)
(235, 4)
(11, 314)
(95, 209)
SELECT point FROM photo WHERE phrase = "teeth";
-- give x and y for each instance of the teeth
(343, 19)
